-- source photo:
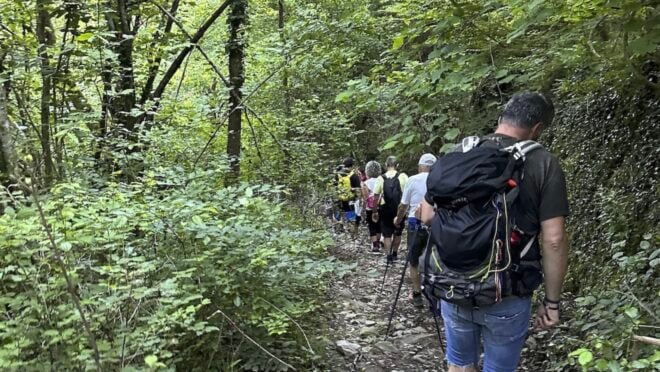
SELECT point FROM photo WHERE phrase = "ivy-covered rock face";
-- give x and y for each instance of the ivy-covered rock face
(607, 142)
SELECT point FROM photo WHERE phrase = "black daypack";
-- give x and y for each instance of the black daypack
(392, 192)
(473, 256)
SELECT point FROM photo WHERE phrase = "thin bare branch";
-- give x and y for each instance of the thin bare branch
(158, 92)
(294, 322)
(241, 104)
(250, 339)
(32, 190)
(254, 139)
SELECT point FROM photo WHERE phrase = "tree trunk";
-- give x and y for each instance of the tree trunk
(8, 151)
(123, 104)
(236, 50)
(285, 56)
(45, 38)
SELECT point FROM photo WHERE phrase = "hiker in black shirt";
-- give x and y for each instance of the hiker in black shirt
(543, 207)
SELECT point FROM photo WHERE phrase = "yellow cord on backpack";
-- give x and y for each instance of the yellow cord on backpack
(507, 237)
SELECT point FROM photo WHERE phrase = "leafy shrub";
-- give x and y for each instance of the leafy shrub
(153, 264)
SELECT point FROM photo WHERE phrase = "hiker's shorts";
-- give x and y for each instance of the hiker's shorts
(503, 327)
(387, 223)
(348, 210)
(417, 238)
(374, 227)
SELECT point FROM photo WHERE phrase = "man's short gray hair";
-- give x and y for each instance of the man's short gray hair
(526, 109)
(391, 162)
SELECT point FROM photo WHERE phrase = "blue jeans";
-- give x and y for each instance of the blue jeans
(502, 326)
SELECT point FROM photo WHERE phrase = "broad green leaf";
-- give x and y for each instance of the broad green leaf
(84, 36)
(447, 147)
(501, 73)
(585, 358)
(452, 134)
(632, 312)
(601, 364)
(389, 145)
(343, 97)
(639, 364)
(578, 352)
(398, 42)
(151, 360)
(655, 357)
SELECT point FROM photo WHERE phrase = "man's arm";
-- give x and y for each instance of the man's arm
(427, 212)
(404, 205)
(378, 189)
(555, 256)
(555, 265)
(401, 213)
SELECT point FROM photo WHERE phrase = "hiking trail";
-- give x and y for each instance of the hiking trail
(359, 313)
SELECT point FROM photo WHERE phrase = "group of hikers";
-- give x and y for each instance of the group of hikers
(486, 227)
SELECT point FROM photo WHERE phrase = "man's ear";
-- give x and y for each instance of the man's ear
(536, 131)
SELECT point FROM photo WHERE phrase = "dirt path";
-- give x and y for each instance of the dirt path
(360, 318)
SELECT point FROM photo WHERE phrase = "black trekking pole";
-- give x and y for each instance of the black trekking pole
(437, 327)
(396, 299)
(398, 291)
(382, 285)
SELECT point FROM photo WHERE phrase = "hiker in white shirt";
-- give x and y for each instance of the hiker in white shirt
(413, 194)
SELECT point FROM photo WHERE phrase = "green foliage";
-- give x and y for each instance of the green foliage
(154, 260)
(152, 263)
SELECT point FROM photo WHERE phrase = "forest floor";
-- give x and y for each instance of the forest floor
(360, 311)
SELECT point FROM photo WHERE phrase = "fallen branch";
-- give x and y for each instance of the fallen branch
(249, 338)
(647, 340)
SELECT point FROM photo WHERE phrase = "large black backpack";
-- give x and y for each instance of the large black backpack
(392, 192)
(470, 259)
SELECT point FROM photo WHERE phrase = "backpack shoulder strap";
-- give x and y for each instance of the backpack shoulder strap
(523, 148)
(468, 143)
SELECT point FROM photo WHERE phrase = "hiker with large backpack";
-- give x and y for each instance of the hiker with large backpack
(372, 171)
(412, 197)
(486, 204)
(348, 192)
(388, 191)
